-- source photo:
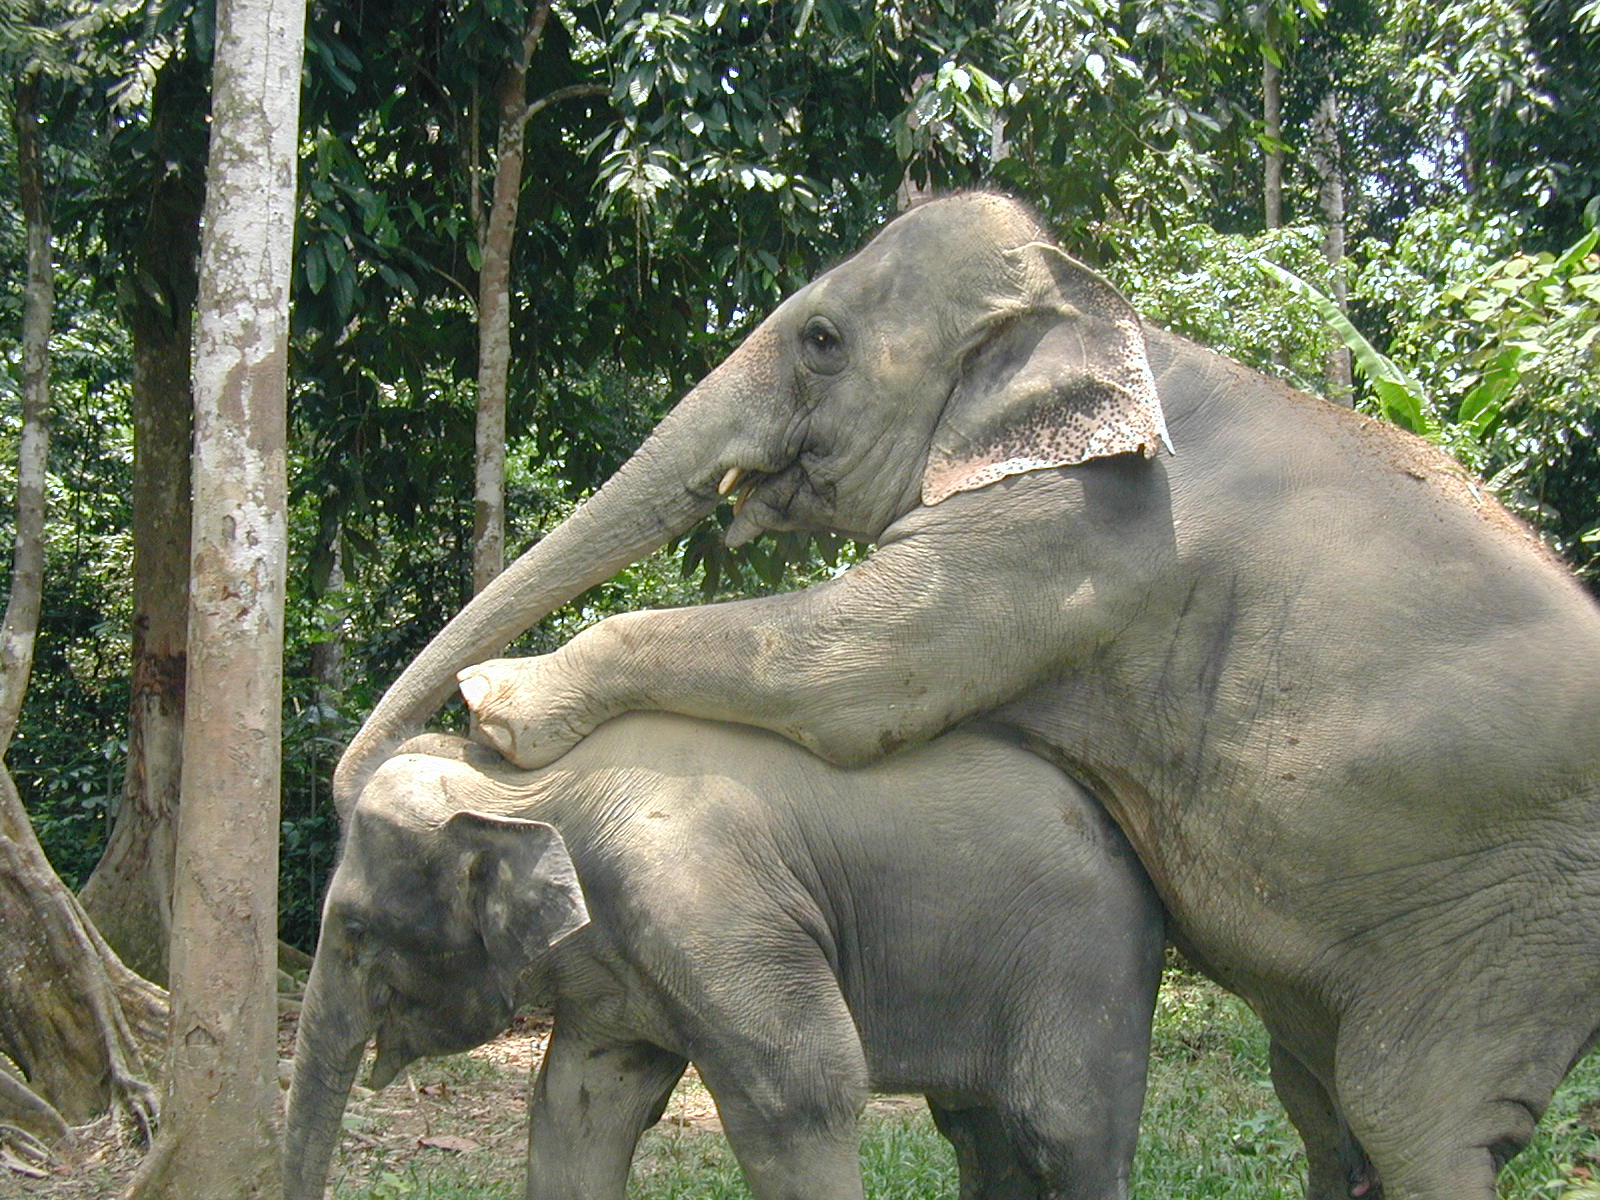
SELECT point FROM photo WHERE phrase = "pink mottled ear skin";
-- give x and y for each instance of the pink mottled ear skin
(1078, 428)
(1062, 379)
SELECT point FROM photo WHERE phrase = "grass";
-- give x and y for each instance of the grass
(1211, 1129)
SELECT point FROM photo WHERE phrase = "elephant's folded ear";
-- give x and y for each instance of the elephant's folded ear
(523, 887)
(1060, 378)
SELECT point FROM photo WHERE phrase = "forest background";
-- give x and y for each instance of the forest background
(525, 227)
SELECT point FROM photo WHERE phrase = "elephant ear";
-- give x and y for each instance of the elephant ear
(524, 890)
(1060, 378)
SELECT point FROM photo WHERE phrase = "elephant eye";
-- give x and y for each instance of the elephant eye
(821, 346)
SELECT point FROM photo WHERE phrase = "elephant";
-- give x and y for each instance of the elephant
(680, 891)
(1345, 708)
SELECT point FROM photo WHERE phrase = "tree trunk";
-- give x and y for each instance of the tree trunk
(66, 1003)
(496, 235)
(72, 1017)
(494, 332)
(1329, 165)
(219, 1138)
(1272, 120)
(495, 238)
(129, 894)
(21, 625)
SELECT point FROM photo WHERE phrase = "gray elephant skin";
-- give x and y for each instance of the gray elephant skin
(961, 921)
(1345, 709)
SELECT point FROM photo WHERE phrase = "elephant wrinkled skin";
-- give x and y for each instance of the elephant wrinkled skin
(1345, 709)
(800, 931)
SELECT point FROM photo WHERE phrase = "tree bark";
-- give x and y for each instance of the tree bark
(494, 330)
(1272, 120)
(129, 894)
(496, 235)
(21, 624)
(219, 1138)
(495, 238)
(66, 1002)
(1329, 165)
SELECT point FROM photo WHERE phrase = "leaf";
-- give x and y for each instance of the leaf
(1578, 251)
(450, 1142)
(315, 267)
(344, 292)
(1402, 399)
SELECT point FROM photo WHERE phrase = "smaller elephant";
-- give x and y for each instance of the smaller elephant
(961, 920)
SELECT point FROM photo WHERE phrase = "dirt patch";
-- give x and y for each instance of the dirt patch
(470, 1104)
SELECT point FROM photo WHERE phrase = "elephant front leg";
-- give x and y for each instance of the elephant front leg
(589, 1106)
(922, 634)
(787, 1070)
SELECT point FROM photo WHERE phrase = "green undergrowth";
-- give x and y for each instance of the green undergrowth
(1212, 1129)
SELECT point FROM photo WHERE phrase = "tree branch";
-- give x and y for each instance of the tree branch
(564, 93)
(535, 34)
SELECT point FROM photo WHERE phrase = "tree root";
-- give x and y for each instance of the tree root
(23, 1153)
(24, 1113)
(72, 1017)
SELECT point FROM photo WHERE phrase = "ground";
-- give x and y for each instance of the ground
(468, 1104)
(452, 1128)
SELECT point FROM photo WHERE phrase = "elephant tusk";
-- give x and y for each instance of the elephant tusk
(743, 496)
(729, 481)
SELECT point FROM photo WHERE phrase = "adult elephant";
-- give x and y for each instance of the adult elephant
(1346, 710)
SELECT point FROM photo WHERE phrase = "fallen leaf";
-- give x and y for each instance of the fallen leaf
(446, 1141)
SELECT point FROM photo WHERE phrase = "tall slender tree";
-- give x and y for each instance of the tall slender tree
(129, 894)
(218, 1138)
(70, 1013)
(496, 230)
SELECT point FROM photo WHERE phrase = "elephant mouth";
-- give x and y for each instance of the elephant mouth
(738, 484)
(791, 498)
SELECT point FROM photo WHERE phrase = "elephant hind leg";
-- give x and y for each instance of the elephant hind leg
(1337, 1168)
(1439, 1119)
(987, 1162)
(1061, 1147)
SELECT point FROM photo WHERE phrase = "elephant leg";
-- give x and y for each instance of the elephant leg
(1336, 1167)
(986, 1161)
(1438, 1107)
(589, 1105)
(790, 1084)
(1056, 1147)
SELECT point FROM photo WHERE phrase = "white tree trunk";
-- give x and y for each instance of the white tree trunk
(1329, 164)
(218, 1136)
(1272, 121)
(21, 624)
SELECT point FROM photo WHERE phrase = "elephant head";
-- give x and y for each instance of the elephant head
(432, 917)
(958, 347)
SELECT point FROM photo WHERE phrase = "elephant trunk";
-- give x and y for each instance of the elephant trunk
(327, 1054)
(662, 490)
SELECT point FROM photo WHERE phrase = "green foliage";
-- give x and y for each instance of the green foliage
(1519, 87)
(1399, 397)
(1208, 286)
(1505, 343)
